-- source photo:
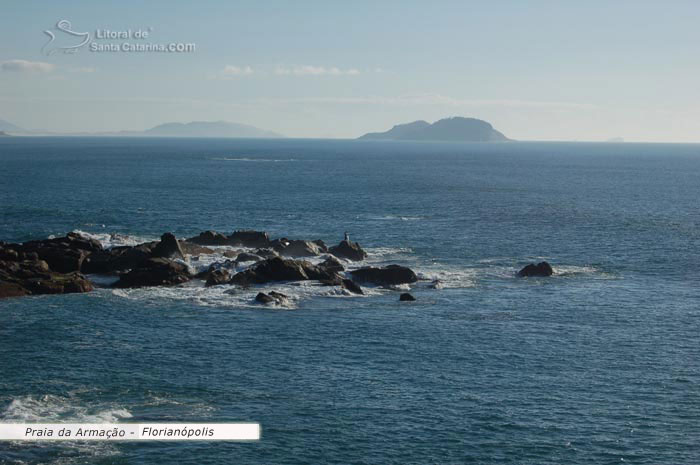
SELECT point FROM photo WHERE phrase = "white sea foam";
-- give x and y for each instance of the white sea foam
(261, 160)
(115, 239)
(48, 408)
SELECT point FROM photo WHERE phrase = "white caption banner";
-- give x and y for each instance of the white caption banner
(129, 432)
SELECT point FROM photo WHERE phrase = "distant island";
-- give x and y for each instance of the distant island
(448, 129)
(4, 134)
(208, 129)
(191, 129)
(6, 126)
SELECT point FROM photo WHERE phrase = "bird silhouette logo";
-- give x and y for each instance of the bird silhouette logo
(63, 39)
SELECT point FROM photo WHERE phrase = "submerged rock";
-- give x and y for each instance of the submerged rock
(350, 250)
(406, 297)
(541, 269)
(387, 276)
(272, 297)
(155, 272)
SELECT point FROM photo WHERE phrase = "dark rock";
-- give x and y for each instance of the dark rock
(436, 284)
(12, 290)
(210, 238)
(34, 277)
(281, 269)
(9, 255)
(298, 248)
(58, 283)
(351, 286)
(321, 245)
(168, 247)
(332, 264)
(155, 272)
(248, 257)
(264, 298)
(350, 250)
(272, 269)
(271, 298)
(387, 276)
(118, 259)
(541, 269)
(406, 297)
(216, 277)
(190, 248)
(63, 254)
(266, 253)
(253, 239)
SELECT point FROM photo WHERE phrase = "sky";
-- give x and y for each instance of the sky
(536, 70)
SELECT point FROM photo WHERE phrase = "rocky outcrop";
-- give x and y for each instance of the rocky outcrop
(48, 266)
(387, 276)
(252, 239)
(168, 247)
(350, 250)
(406, 297)
(216, 277)
(332, 264)
(281, 269)
(118, 259)
(63, 254)
(210, 238)
(297, 248)
(190, 248)
(541, 269)
(33, 277)
(155, 272)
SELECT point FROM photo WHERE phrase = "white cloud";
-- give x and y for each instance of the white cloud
(309, 70)
(83, 70)
(230, 70)
(24, 66)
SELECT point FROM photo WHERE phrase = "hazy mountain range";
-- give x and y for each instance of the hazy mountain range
(6, 126)
(448, 129)
(192, 129)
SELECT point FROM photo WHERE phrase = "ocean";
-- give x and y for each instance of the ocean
(596, 364)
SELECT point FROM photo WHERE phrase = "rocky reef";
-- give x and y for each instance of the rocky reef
(64, 264)
(71, 264)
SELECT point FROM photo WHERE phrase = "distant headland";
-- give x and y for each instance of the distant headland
(222, 129)
(448, 129)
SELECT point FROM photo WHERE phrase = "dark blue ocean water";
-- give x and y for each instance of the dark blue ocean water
(597, 364)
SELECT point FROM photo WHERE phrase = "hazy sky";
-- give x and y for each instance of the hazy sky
(537, 70)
